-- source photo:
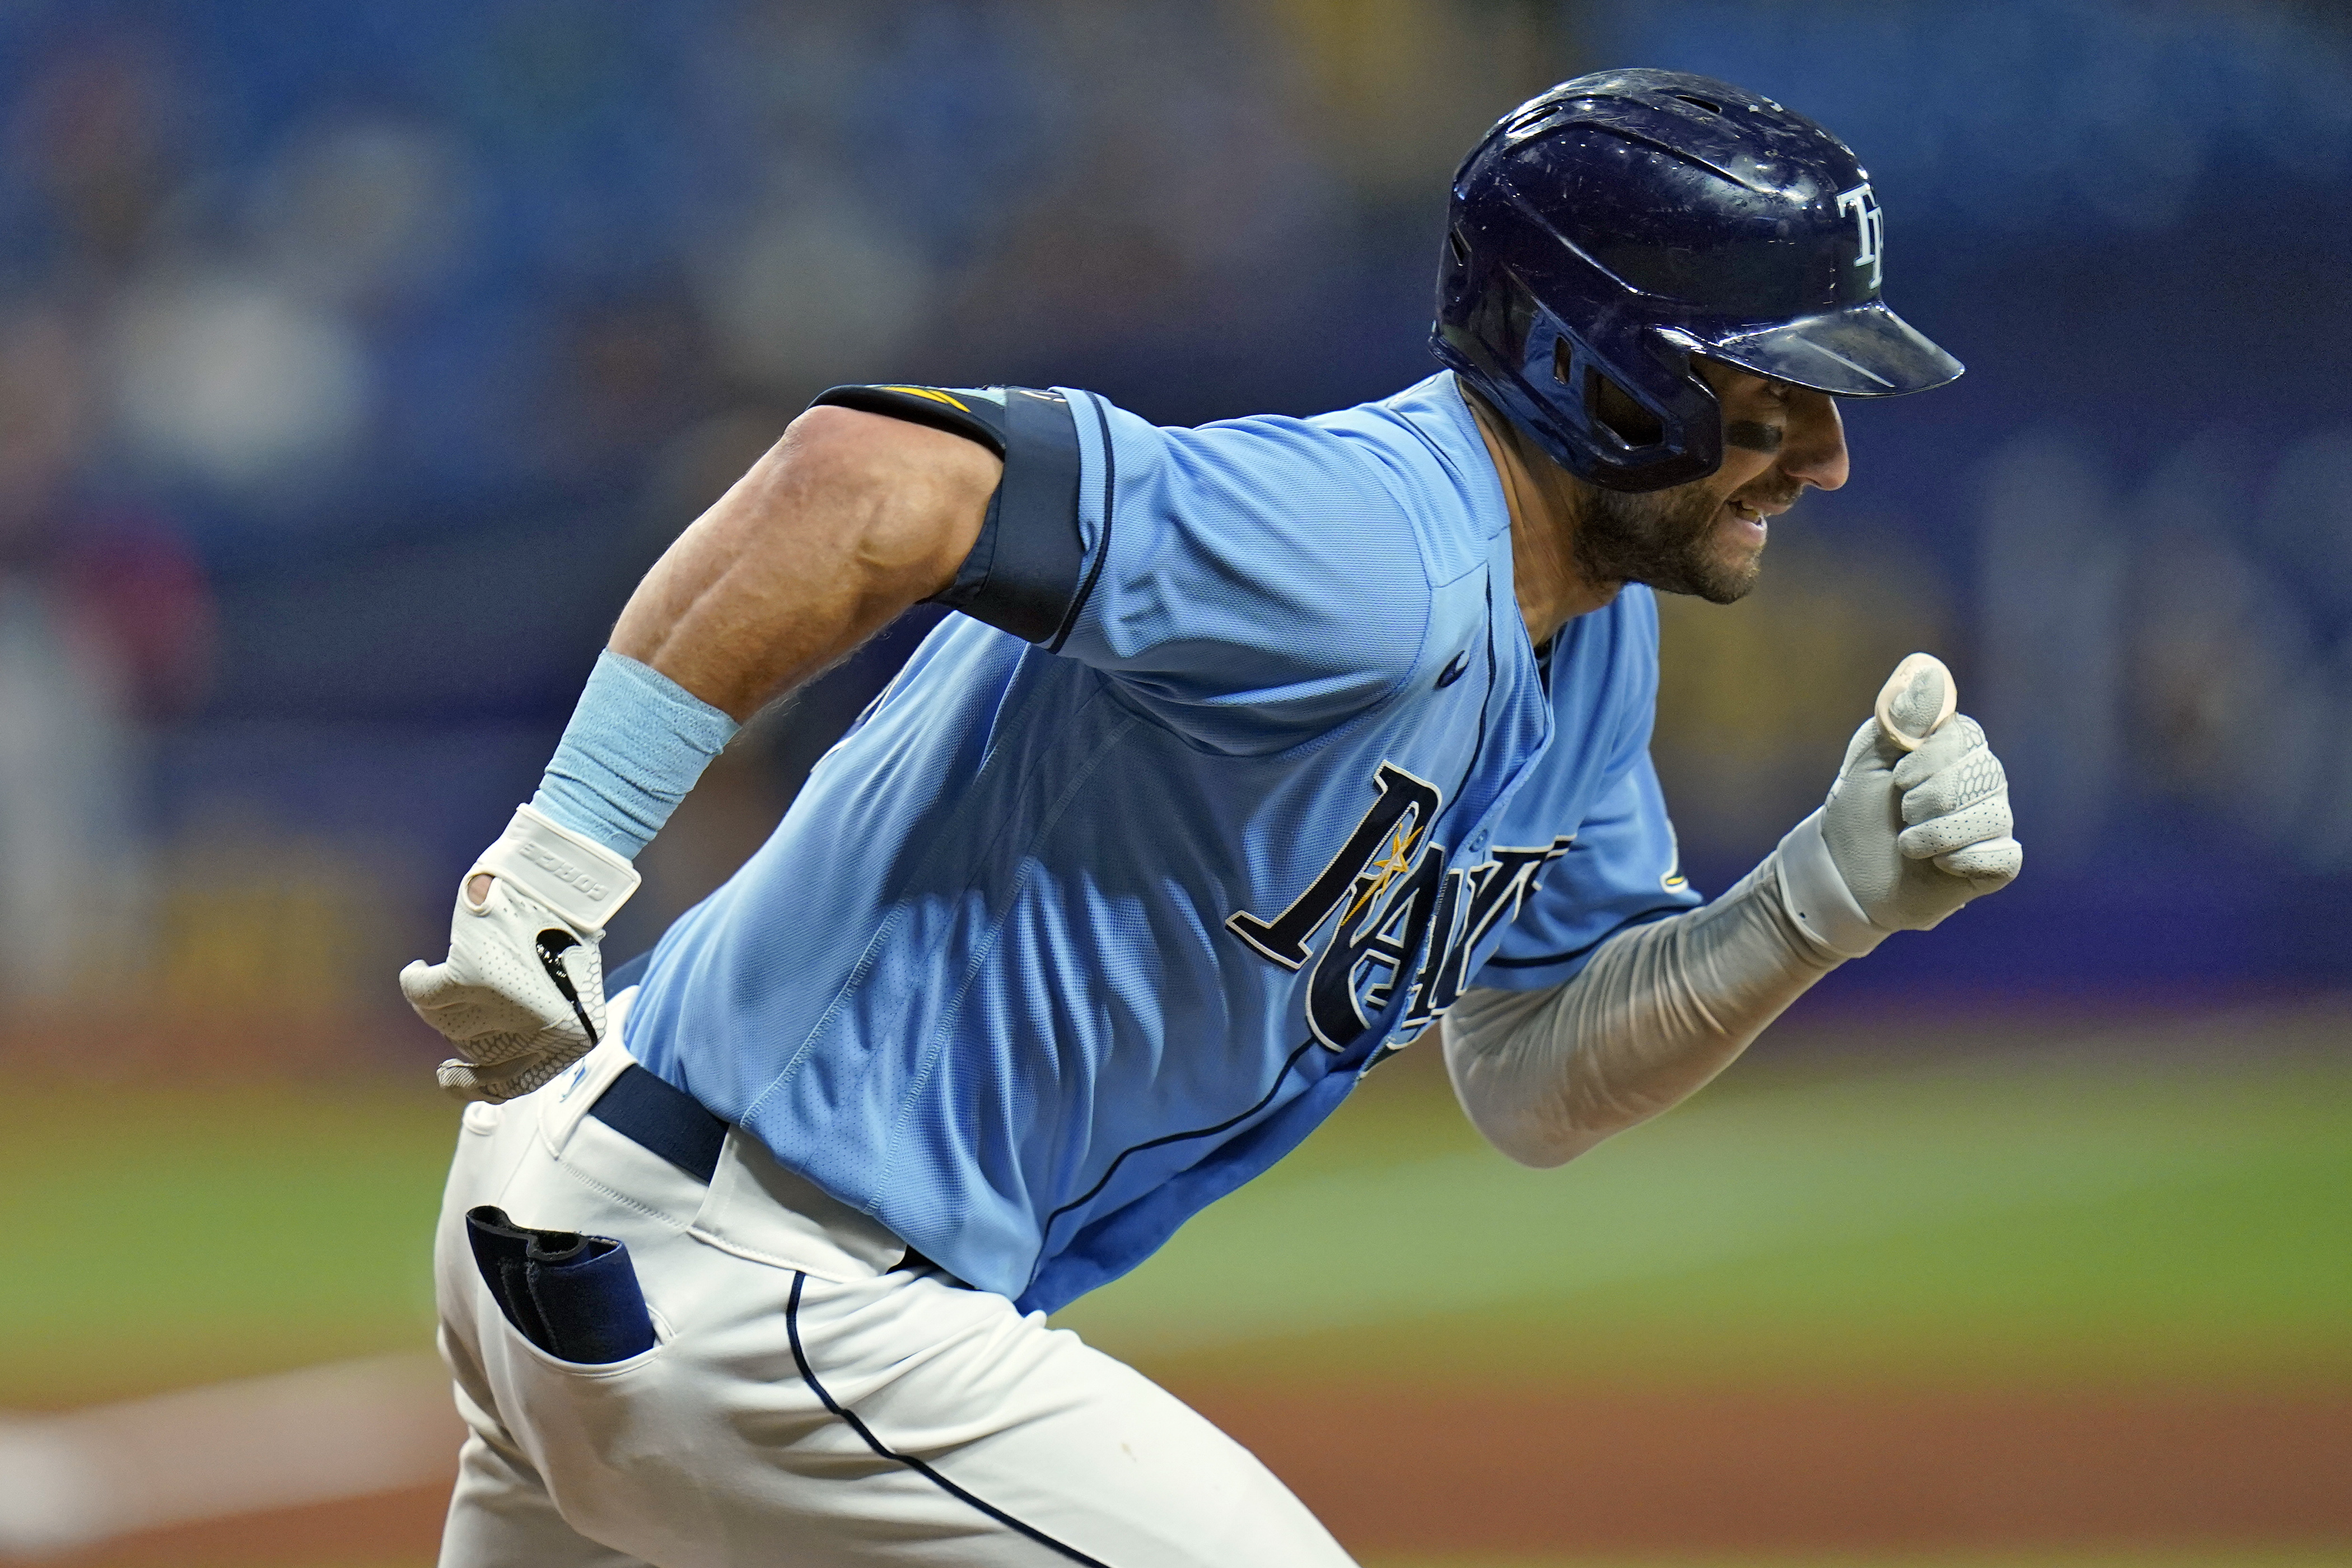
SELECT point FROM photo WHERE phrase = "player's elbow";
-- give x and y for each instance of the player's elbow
(897, 505)
(1524, 1142)
(1524, 1124)
(1554, 1124)
(1535, 1154)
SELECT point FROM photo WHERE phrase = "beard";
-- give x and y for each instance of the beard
(1664, 538)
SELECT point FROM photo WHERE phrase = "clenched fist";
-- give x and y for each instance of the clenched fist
(1917, 821)
(521, 995)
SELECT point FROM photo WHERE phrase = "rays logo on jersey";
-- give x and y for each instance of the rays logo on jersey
(1406, 924)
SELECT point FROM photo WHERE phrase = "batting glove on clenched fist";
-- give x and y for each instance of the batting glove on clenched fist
(521, 995)
(1916, 823)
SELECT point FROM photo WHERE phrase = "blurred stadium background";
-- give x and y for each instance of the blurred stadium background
(354, 360)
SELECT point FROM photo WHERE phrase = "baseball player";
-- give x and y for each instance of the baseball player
(1256, 751)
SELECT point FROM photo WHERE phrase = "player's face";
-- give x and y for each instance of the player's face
(1707, 537)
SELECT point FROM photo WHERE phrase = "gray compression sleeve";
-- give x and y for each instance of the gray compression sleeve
(1660, 1010)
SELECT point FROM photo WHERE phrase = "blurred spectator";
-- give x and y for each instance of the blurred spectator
(72, 871)
(235, 383)
(814, 290)
(89, 142)
(354, 361)
(105, 626)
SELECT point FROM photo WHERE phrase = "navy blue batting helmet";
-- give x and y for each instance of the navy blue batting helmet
(1621, 223)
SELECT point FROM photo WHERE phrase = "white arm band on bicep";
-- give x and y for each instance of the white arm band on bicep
(1660, 1010)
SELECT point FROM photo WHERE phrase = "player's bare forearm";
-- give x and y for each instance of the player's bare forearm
(847, 521)
(844, 523)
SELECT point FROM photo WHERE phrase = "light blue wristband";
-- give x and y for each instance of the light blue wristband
(635, 744)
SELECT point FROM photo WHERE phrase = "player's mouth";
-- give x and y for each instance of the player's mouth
(1747, 519)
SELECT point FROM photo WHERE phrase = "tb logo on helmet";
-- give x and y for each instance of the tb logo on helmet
(1870, 224)
(1607, 230)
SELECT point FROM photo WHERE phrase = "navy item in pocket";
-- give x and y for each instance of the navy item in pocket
(574, 1296)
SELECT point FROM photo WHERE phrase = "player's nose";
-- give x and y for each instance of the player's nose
(1815, 452)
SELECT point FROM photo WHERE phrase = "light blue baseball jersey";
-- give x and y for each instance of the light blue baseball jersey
(1236, 770)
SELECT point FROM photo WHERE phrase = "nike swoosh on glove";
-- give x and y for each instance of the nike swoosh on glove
(1905, 837)
(521, 995)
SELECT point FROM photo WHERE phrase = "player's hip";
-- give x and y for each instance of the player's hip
(708, 1223)
(749, 1374)
(737, 1311)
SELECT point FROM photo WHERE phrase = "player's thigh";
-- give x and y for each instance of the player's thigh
(628, 1462)
(1032, 1447)
(898, 1420)
(787, 1418)
(501, 1515)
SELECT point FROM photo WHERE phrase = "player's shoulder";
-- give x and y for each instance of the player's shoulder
(1312, 556)
(1414, 457)
(1414, 460)
(1409, 468)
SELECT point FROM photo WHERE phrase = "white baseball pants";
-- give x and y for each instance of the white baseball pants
(807, 1402)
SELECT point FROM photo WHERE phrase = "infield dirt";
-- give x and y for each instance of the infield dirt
(1547, 1475)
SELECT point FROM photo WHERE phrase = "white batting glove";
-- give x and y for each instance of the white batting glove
(521, 995)
(1907, 836)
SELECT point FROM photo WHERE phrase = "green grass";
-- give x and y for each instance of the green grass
(163, 1237)
(2060, 1218)
(2028, 1219)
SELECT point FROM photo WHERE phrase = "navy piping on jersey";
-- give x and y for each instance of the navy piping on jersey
(1092, 1192)
(1650, 918)
(1486, 698)
(1102, 549)
(808, 1375)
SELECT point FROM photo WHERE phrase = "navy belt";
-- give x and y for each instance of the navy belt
(669, 1122)
(674, 1124)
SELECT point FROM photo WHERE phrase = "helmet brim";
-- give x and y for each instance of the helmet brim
(1863, 350)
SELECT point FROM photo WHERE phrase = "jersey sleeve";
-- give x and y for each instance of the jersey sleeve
(1248, 583)
(1022, 572)
(1621, 869)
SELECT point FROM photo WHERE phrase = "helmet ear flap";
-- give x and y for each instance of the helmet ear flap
(1623, 411)
(1609, 409)
(1639, 417)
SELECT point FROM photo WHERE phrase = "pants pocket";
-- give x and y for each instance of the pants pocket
(575, 1297)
